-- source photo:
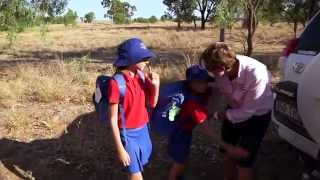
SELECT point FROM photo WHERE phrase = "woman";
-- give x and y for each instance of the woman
(245, 83)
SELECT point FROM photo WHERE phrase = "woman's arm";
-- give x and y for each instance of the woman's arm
(121, 152)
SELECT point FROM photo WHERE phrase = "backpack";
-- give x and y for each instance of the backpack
(171, 99)
(100, 99)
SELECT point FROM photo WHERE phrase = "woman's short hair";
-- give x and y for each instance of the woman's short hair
(218, 53)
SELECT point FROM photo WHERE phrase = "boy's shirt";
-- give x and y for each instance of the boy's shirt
(192, 114)
(134, 100)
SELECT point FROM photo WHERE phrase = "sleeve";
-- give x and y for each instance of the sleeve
(199, 113)
(254, 89)
(113, 92)
(149, 91)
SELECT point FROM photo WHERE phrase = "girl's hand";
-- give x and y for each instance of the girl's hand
(155, 79)
(124, 158)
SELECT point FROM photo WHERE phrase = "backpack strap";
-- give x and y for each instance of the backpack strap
(119, 78)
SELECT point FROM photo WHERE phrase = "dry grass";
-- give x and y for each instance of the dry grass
(60, 81)
(69, 80)
(160, 37)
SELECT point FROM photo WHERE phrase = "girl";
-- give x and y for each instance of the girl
(128, 114)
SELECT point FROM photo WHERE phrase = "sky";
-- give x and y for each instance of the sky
(145, 8)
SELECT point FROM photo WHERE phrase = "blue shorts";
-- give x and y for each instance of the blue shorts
(179, 143)
(139, 147)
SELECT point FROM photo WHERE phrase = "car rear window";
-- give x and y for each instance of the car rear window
(310, 38)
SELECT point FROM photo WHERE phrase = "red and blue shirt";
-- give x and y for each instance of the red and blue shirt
(192, 114)
(137, 96)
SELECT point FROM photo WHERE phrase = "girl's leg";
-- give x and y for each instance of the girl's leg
(176, 171)
(135, 176)
(230, 170)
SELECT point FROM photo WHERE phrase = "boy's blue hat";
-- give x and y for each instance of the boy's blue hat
(196, 72)
(131, 52)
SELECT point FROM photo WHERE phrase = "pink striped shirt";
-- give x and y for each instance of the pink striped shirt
(250, 93)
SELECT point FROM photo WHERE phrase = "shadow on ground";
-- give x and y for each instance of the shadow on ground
(86, 152)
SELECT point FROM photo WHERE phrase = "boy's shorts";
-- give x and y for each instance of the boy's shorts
(179, 143)
(247, 135)
(139, 147)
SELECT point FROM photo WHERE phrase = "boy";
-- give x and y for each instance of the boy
(193, 113)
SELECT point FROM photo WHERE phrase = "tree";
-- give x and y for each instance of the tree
(291, 11)
(206, 8)
(153, 19)
(182, 10)
(251, 10)
(226, 16)
(119, 12)
(15, 16)
(50, 8)
(165, 17)
(70, 18)
(89, 17)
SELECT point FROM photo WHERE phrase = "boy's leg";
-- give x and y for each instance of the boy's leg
(230, 170)
(176, 171)
(135, 176)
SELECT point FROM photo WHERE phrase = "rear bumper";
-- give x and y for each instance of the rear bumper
(299, 141)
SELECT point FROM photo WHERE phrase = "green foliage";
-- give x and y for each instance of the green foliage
(226, 14)
(89, 17)
(50, 8)
(152, 19)
(165, 17)
(141, 20)
(15, 16)
(70, 18)
(181, 10)
(291, 11)
(207, 10)
(120, 12)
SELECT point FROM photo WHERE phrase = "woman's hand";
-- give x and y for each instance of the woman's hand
(124, 157)
(220, 115)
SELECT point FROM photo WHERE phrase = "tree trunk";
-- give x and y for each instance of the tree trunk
(179, 25)
(203, 21)
(250, 31)
(222, 34)
(195, 23)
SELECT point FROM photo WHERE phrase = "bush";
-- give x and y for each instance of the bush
(70, 18)
(89, 17)
(141, 20)
(153, 19)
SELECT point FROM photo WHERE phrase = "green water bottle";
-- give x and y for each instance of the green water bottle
(174, 110)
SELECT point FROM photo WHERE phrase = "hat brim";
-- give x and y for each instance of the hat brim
(122, 61)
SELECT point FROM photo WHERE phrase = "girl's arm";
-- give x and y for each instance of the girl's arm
(121, 152)
(153, 92)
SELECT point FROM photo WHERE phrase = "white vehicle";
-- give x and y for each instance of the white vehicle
(296, 111)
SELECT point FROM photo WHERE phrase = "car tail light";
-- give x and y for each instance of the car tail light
(291, 46)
